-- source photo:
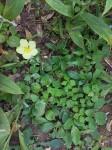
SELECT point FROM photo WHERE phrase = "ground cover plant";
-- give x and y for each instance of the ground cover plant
(58, 87)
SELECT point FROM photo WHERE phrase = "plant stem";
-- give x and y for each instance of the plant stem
(2, 20)
(34, 36)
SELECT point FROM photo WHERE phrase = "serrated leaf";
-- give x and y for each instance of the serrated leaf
(63, 9)
(98, 26)
(99, 104)
(68, 124)
(108, 6)
(8, 86)
(50, 115)
(55, 144)
(76, 135)
(40, 107)
(100, 118)
(46, 127)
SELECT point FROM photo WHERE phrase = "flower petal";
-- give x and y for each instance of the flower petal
(32, 44)
(27, 55)
(34, 51)
(20, 50)
(23, 43)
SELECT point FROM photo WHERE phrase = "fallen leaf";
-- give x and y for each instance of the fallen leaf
(39, 30)
(109, 126)
(47, 17)
(3, 51)
(14, 77)
(17, 19)
(27, 1)
(108, 60)
(28, 34)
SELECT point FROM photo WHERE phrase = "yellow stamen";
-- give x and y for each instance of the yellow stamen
(27, 49)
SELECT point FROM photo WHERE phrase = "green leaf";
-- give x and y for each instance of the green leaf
(57, 5)
(77, 38)
(86, 89)
(68, 124)
(23, 145)
(54, 144)
(99, 104)
(34, 97)
(46, 127)
(89, 112)
(50, 115)
(73, 74)
(8, 86)
(40, 108)
(76, 135)
(4, 127)
(98, 26)
(108, 6)
(40, 120)
(51, 46)
(92, 124)
(13, 41)
(2, 38)
(13, 8)
(100, 118)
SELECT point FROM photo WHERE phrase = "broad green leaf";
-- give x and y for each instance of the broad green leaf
(40, 108)
(92, 124)
(76, 135)
(13, 41)
(89, 112)
(98, 26)
(8, 86)
(77, 38)
(108, 6)
(13, 8)
(50, 115)
(46, 127)
(2, 38)
(68, 124)
(100, 118)
(55, 144)
(4, 127)
(23, 145)
(99, 104)
(57, 5)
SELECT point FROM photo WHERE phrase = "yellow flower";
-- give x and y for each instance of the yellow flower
(27, 49)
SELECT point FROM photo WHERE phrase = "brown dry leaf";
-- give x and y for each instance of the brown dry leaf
(109, 126)
(28, 34)
(39, 30)
(3, 51)
(17, 19)
(14, 77)
(108, 60)
(47, 17)
(15, 127)
(27, 1)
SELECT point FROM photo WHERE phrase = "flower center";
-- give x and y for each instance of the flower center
(27, 49)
